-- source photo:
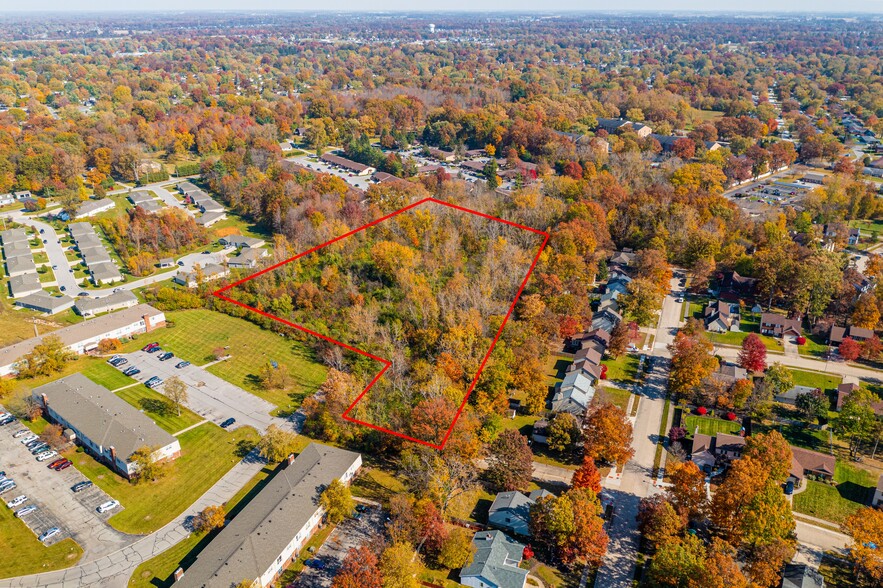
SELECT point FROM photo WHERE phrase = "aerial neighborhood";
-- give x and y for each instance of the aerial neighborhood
(435, 299)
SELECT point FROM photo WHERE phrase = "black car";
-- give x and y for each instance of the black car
(228, 422)
(166, 355)
(79, 487)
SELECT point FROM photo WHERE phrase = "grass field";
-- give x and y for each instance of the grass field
(18, 325)
(106, 375)
(748, 324)
(31, 556)
(617, 396)
(158, 570)
(159, 408)
(835, 503)
(196, 333)
(207, 453)
(376, 484)
(709, 426)
(815, 379)
(622, 369)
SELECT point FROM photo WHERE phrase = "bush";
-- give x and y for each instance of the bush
(152, 177)
(731, 416)
(801, 340)
(701, 411)
(187, 169)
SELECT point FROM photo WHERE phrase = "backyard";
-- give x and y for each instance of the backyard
(195, 334)
(709, 425)
(835, 503)
(31, 556)
(207, 453)
(749, 323)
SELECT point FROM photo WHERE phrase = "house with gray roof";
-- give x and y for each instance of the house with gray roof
(210, 218)
(104, 273)
(801, 576)
(210, 272)
(23, 285)
(187, 187)
(574, 393)
(247, 258)
(44, 302)
(83, 337)
(269, 533)
(107, 426)
(510, 511)
(93, 207)
(790, 396)
(210, 205)
(139, 197)
(13, 236)
(80, 229)
(86, 306)
(17, 249)
(149, 206)
(239, 241)
(18, 266)
(495, 564)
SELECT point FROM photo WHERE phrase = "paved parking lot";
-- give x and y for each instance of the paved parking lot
(348, 534)
(58, 506)
(208, 395)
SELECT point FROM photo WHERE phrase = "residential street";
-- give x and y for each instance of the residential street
(636, 482)
(808, 363)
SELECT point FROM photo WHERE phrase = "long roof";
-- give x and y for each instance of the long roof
(496, 560)
(101, 304)
(251, 542)
(80, 332)
(101, 416)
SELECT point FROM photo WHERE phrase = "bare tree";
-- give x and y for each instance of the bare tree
(176, 391)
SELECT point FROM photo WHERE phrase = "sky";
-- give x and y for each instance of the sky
(451, 5)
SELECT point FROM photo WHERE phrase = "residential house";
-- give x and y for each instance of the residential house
(709, 452)
(7, 199)
(104, 273)
(612, 125)
(732, 286)
(86, 306)
(721, 317)
(790, 396)
(729, 373)
(510, 511)
(13, 236)
(496, 562)
(854, 236)
(187, 188)
(44, 302)
(442, 155)
(210, 218)
(859, 334)
(93, 207)
(805, 462)
(238, 241)
(210, 273)
(140, 197)
(814, 178)
(23, 195)
(247, 258)
(801, 576)
(778, 325)
(20, 265)
(844, 390)
(272, 529)
(166, 262)
(381, 177)
(606, 319)
(150, 206)
(359, 169)
(625, 257)
(574, 393)
(24, 285)
(210, 205)
(105, 425)
(84, 336)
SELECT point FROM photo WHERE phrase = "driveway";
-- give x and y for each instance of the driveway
(57, 505)
(209, 396)
(348, 534)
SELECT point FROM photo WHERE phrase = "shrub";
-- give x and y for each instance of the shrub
(731, 416)
(801, 340)
(701, 411)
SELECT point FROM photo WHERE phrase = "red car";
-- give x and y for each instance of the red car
(149, 347)
(64, 466)
(56, 462)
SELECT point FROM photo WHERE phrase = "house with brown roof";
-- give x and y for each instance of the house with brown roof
(838, 334)
(846, 388)
(732, 286)
(778, 325)
(721, 317)
(805, 462)
(708, 451)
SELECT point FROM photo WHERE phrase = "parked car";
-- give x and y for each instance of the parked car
(28, 439)
(6, 420)
(166, 355)
(7, 486)
(109, 505)
(67, 463)
(119, 362)
(150, 346)
(22, 512)
(21, 433)
(80, 486)
(153, 382)
(182, 364)
(56, 462)
(47, 456)
(83, 294)
(181, 263)
(17, 501)
(49, 533)
(315, 563)
(154, 349)
(33, 442)
(132, 371)
(228, 423)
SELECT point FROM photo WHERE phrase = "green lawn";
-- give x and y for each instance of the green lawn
(748, 324)
(106, 375)
(708, 425)
(245, 228)
(622, 369)
(835, 503)
(158, 570)
(159, 408)
(816, 346)
(18, 325)
(798, 435)
(617, 396)
(556, 369)
(376, 484)
(196, 333)
(207, 453)
(815, 379)
(30, 555)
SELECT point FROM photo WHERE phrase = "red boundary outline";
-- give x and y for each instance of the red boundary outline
(386, 363)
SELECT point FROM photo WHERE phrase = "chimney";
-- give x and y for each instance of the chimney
(290, 459)
(45, 400)
(147, 326)
(179, 573)
(113, 454)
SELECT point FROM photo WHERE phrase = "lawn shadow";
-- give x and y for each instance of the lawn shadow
(156, 406)
(855, 492)
(481, 510)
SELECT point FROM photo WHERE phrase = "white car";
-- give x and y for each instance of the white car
(49, 533)
(29, 438)
(18, 500)
(109, 505)
(46, 455)
(25, 511)
(22, 433)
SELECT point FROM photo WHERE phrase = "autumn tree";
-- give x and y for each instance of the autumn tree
(587, 476)
(849, 349)
(691, 363)
(53, 435)
(619, 340)
(607, 434)
(209, 519)
(276, 444)
(458, 550)
(360, 569)
(772, 452)
(642, 301)
(147, 468)
(764, 562)
(866, 314)
(687, 492)
(857, 422)
(658, 521)
(176, 391)
(778, 379)
(510, 462)
(752, 356)
(399, 566)
(571, 526)
(812, 405)
(47, 357)
(337, 501)
(872, 348)
(563, 431)
(865, 527)
(106, 346)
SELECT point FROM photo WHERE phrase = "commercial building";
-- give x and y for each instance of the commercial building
(360, 169)
(107, 426)
(83, 337)
(269, 533)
